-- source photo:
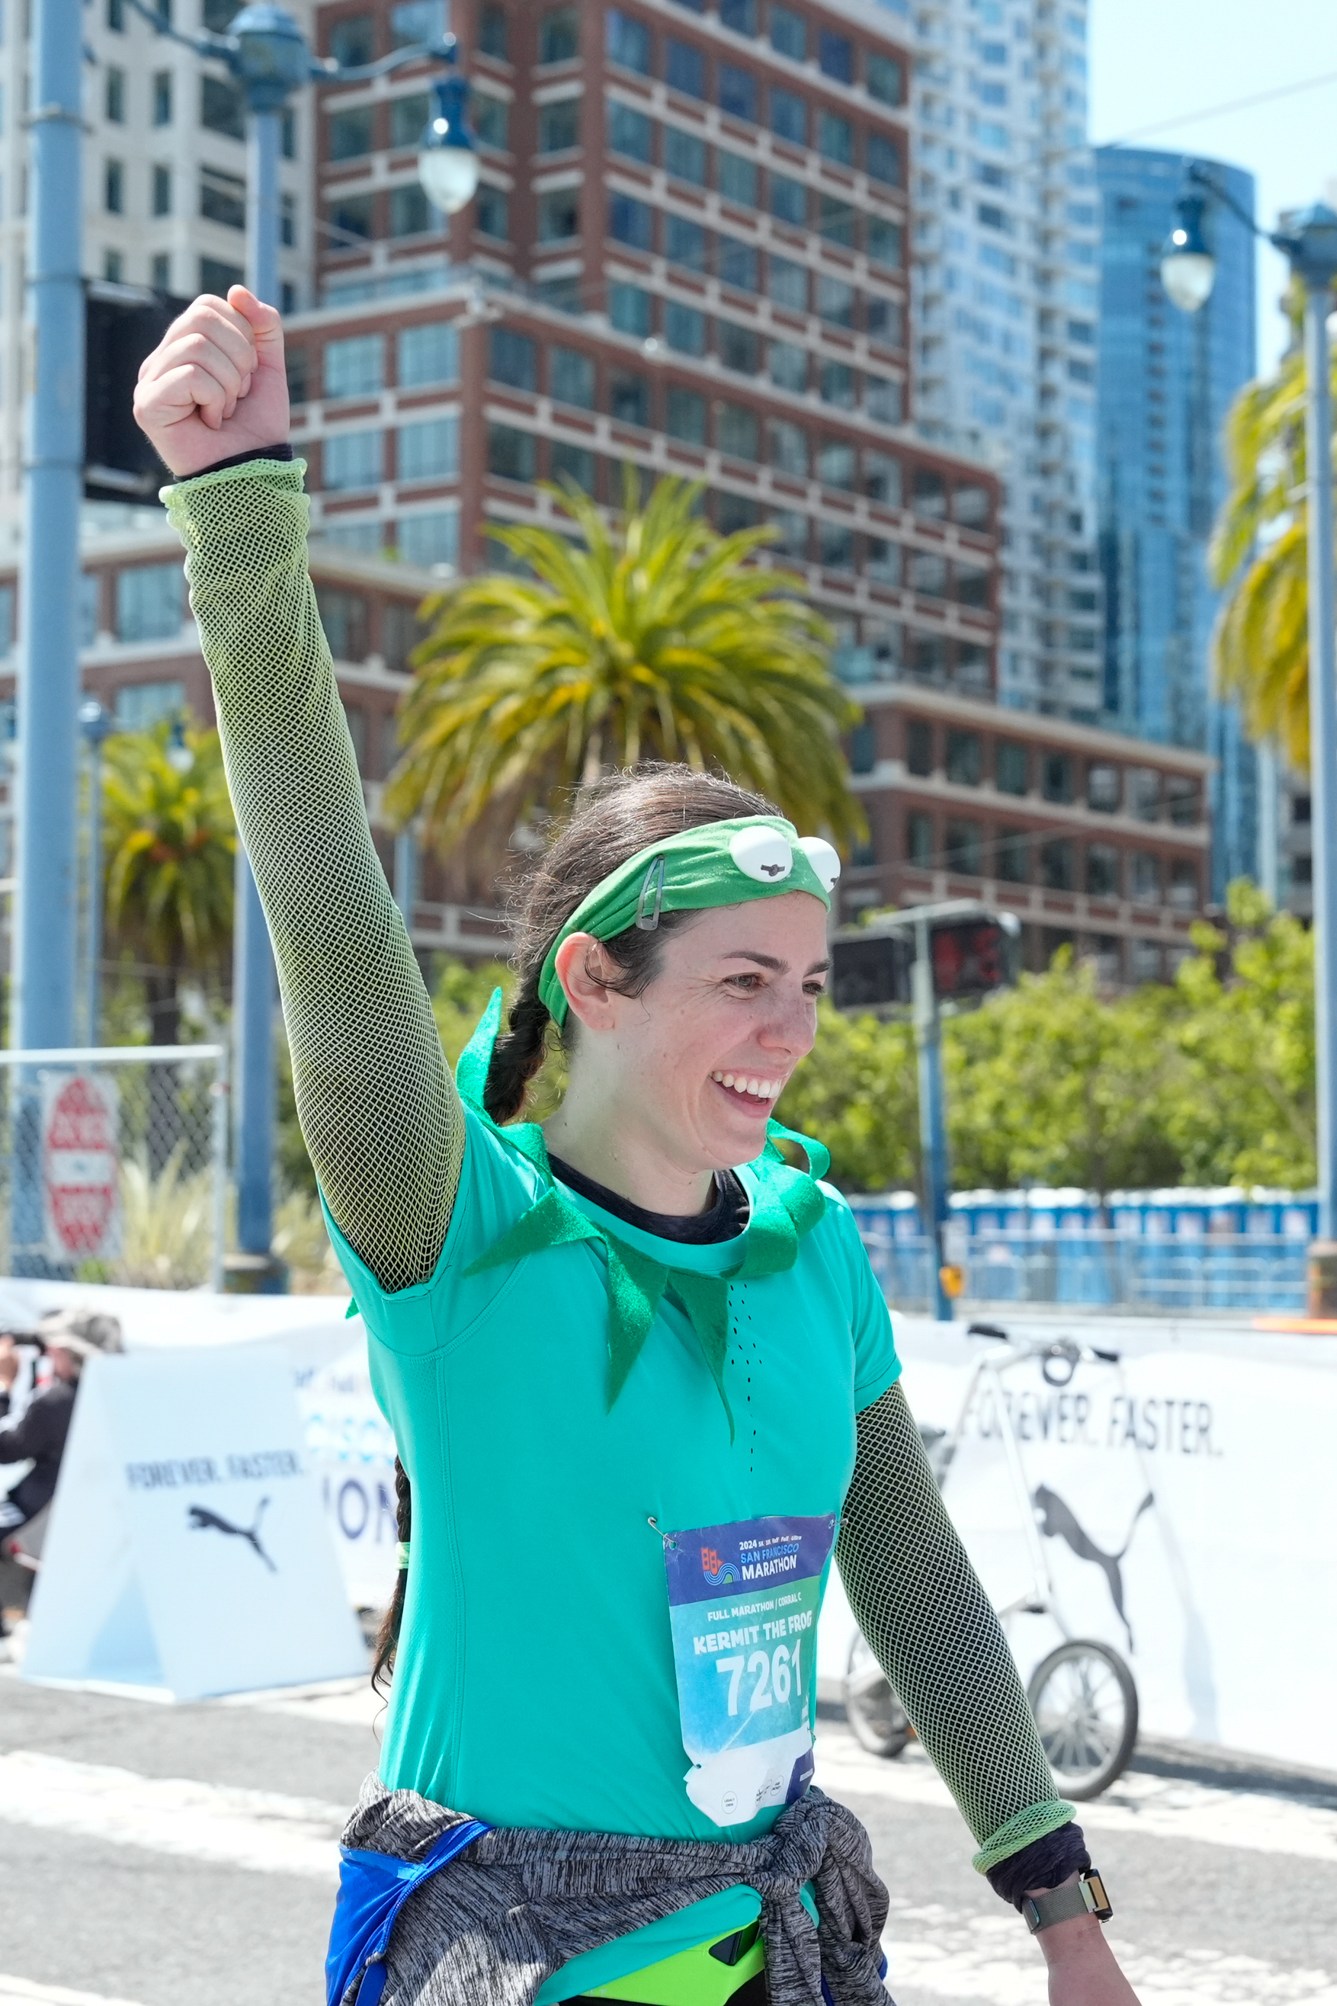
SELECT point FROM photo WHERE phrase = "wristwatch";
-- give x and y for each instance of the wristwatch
(1084, 1896)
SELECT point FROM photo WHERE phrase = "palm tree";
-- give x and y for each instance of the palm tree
(171, 844)
(654, 638)
(1260, 554)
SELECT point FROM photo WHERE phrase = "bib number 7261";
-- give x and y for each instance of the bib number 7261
(773, 1674)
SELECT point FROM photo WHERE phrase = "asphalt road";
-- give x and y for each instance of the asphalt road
(156, 1855)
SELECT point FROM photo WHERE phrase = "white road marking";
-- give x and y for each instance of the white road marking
(1154, 1806)
(258, 1829)
(24, 1992)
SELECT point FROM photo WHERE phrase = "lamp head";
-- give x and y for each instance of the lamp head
(179, 755)
(1188, 268)
(447, 155)
(95, 724)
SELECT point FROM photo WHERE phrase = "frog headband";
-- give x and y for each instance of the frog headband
(717, 863)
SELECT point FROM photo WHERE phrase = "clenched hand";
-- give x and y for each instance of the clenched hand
(215, 384)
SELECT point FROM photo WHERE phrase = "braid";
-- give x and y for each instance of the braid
(388, 1635)
(518, 1053)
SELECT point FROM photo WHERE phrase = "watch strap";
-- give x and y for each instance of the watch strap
(1084, 1896)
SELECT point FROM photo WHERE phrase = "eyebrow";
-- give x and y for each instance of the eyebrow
(771, 961)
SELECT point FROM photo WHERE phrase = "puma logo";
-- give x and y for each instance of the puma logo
(1058, 1521)
(204, 1520)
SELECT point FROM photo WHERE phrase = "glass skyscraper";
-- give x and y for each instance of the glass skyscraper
(1165, 382)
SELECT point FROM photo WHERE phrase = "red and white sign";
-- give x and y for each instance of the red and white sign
(80, 1166)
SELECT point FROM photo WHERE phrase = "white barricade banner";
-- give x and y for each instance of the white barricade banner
(187, 1547)
(351, 1452)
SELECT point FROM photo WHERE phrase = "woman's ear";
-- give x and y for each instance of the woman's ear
(582, 967)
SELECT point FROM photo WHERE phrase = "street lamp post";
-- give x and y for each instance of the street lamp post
(95, 727)
(1308, 240)
(267, 54)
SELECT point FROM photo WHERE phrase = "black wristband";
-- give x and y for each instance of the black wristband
(284, 452)
(1042, 1864)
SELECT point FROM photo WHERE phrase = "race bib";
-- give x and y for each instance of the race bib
(743, 1600)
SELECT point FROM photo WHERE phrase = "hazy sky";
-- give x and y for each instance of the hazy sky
(1163, 60)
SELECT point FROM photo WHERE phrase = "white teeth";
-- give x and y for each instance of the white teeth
(742, 1084)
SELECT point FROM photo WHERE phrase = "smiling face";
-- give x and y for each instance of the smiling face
(680, 1081)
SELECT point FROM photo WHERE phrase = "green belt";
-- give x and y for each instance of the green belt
(709, 1974)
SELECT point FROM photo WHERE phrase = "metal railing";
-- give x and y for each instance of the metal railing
(113, 1164)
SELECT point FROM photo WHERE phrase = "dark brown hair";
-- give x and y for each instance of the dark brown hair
(612, 820)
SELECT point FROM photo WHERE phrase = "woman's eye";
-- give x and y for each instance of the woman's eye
(748, 982)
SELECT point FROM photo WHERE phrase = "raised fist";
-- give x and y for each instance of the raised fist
(215, 384)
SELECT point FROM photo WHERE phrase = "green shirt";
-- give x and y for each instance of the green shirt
(534, 1680)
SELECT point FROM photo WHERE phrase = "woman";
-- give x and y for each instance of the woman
(637, 1366)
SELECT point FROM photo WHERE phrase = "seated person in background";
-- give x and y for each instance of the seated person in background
(68, 1338)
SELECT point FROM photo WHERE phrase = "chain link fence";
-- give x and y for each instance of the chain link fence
(113, 1164)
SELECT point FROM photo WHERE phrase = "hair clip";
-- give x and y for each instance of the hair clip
(647, 915)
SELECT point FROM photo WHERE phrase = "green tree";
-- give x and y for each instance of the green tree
(1259, 557)
(169, 847)
(651, 639)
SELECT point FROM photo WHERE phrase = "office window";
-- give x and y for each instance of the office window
(350, 132)
(962, 847)
(685, 416)
(737, 432)
(491, 120)
(629, 399)
(631, 133)
(737, 179)
(971, 505)
(571, 377)
(511, 453)
(787, 365)
(789, 116)
(736, 92)
(686, 329)
(686, 157)
(627, 42)
(835, 138)
(835, 300)
(739, 347)
(353, 41)
(630, 308)
(835, 56)
(836, 464)
(408, 116)
(837, 384)
(883, 560)
(884, 319)
(559, 125)
(355, 367)
(686, 243)
(686, 68)
(1184, 890)
(352, 218)
(928, 493)
(1102, 870)
(787, 447)
(919, 748)
(353, 460)
(1011, 766)
(416, 21)
(512, 358)
(223, 198)
(919, 838)
(160, 271)
(343, 615)
(882, 477)
(835, 546)
(559, 214)
(971, 587)
(1146, 877)
(492, 212)
(788, 199)
(114, 95)
(740, 15)
(162, 97)
(1182, 796)
(965, 758)
(863, 747)
(1012, 857)
(492, 38)
(220, 106)
(631, 222)
(885, 242)
(162, 190)
(149, 603)
(928, 574)
(142, 706)
(738, 264)
(791, 528)
(430, 538)
(1102, 787)
(883, 160)
(884, 78)
(113, 266)
(216, 275)
(287, 225)
(1058, 871)
(734, 512)
(401, 631)
(836, 220)
(429, 353)
(113, 187)
(1056, 776)
(116, 16)
(559, 35)
(429, 449)
(1145, 785)
(789, 33)
(573, 463)
(411, 214)
(787, 283)
(928, 656)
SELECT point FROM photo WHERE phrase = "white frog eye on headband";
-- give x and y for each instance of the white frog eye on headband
(824, 858)
(762, 854)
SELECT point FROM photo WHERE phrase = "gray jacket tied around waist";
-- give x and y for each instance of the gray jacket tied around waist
(519, 1904)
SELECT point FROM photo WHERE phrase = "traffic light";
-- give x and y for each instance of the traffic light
(971, 952)
(870, 971)
(973, 957)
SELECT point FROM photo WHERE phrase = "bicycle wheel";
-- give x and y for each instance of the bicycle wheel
(879, 1721)
(1085, 1706)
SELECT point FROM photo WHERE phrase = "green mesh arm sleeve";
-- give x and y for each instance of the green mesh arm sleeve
(378, 1108)
(934, 1632)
